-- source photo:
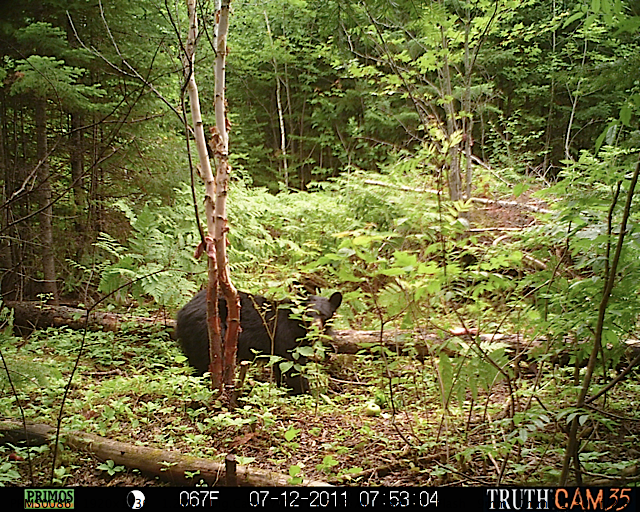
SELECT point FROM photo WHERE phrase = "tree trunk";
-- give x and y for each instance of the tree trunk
(467, 121)
(15, 186)
(547, 161)
(33, 315)
(223, 170)
(76, 159)
(6, 259)
(454, 178)
(222, 354)
(46, 215)
(213, 317)
(283, 139)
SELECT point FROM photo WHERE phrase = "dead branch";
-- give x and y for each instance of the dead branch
(481, 200)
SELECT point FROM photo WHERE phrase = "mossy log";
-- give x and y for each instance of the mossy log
(169, 466)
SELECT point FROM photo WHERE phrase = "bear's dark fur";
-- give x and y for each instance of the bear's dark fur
(258, 321)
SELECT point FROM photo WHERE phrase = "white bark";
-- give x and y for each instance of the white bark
(196, 115)
(283, 139)
(223, 169)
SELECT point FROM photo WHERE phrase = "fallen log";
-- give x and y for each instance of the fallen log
(423, 344)
(35, 315)
(28, 316)
(166, 465)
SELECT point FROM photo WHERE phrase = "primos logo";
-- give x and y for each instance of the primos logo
(49, 498)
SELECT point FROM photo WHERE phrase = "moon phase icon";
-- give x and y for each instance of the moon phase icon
(135, 500)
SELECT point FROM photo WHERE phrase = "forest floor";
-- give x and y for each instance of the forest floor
(332, 439)
(340, 445)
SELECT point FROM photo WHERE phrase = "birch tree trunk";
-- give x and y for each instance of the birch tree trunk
(222, 354)
(223, 169)
(283, 139)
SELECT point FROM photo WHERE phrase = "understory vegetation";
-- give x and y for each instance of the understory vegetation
(475, 381)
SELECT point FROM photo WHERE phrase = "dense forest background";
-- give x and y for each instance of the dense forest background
(91, 133)
(371, 144)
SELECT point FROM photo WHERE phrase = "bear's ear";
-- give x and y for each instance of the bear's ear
(335, 300)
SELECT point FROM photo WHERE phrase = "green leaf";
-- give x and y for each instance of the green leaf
(625, 114)
(291, 434)
(393, 272)
(285, 366)
(572, 18)
(519, 189)
(295, 470)
(305, 351)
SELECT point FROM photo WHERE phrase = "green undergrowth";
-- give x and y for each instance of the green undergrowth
(438, 400)
(132, 386)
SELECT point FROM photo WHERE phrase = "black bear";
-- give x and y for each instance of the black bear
(263, 330)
